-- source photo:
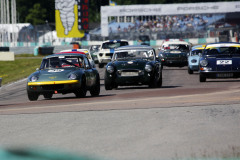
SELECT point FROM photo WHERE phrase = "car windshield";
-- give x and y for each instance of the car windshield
(61, 62)
(134, 54)
(181, 47)
(231, 50)
(112, 45)
(144, 38)
(196, 52)
(94, 48)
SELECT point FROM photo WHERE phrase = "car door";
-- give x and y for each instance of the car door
(89, 72)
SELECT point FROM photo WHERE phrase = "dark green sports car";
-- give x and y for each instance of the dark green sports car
(133, 65)
(63, 73)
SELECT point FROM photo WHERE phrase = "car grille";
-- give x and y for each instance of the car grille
(52, 87)
(129, 73)
(109, 54)
(175, 58)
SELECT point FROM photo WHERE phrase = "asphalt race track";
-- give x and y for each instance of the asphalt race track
(183, 119)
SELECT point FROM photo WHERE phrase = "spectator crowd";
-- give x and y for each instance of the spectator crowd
(167, 23)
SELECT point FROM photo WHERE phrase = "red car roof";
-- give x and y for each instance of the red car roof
(71, 52)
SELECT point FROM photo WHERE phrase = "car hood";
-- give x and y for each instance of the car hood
(54, 74)
(175, 54)
(133, 64)
(107, 50)
(193, 57)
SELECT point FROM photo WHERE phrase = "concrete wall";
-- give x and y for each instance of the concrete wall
(6, 56)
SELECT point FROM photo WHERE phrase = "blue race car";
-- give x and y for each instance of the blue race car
(220, 60)
(193, 58)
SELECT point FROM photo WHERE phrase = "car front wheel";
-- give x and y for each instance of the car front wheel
(108, 83)
(202, 78)
(157, 79)
(95, 91)
(82, 91)
(100, 65)
(32, 96)
(190, 71)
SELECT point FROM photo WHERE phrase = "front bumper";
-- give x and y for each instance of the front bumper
(194, 67)
(104, 60)
(141, 79)
(67, 86)
(174, 62)
(220, 74)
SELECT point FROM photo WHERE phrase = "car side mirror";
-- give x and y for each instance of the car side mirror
(92, 64)
(88, 67)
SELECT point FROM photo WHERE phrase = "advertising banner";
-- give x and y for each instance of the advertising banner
(165, 9)
(71, 18)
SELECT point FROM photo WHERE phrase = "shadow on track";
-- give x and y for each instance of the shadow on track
(75, 98)
(174, 68)
(220, 80)
(143, 87)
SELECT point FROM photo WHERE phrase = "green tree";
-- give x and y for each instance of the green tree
(94, 8)
(37, 15)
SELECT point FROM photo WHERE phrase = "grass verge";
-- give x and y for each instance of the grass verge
(22, 67)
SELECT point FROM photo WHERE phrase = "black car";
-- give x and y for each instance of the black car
(174, 53)
(63, 73)
(144, 40)
(220, 60)
(133, 65)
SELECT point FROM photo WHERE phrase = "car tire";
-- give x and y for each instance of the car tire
(100, 65)
(47, 95)
(115, 86)
(156, 81)
(32, 96)
(190, 71)
(202, 78)
(160, 81)
(82, 91)
(95, 91)
(108, 83)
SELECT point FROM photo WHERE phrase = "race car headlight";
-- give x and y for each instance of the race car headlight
(33, 78)
(148, 68)
(110, 69)
(72, 76)
(204, 63)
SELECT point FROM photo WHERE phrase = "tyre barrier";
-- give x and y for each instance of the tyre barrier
(4, 49)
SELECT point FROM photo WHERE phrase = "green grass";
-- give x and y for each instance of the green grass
(22, 67)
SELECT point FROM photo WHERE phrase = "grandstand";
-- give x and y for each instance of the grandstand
(189, 20)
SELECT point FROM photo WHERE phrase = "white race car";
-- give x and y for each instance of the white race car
(106, 50)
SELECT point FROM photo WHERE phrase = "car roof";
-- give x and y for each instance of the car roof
(134, 47)
(65, 54)
(116, 40)
(198, 47)
(222, 44)
(78, 51)
(176, 42)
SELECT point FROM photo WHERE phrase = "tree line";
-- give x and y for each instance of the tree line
(43, 11)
